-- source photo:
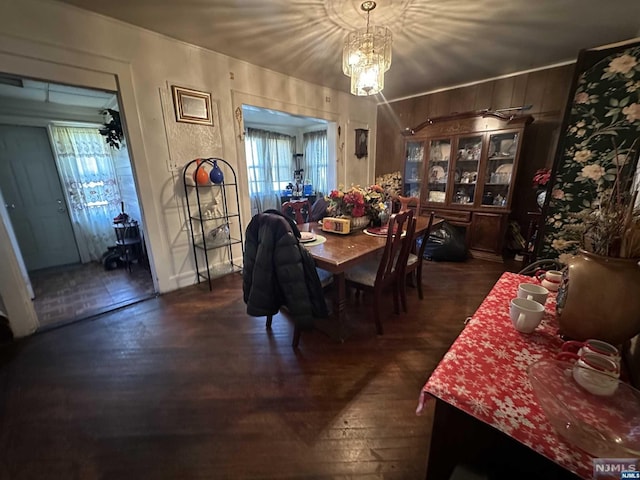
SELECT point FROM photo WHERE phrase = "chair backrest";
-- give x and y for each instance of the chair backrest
(318, 209)
(406, 202)
(298, 210)
(425, 238)
(393, 250)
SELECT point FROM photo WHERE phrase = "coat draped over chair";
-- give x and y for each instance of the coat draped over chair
(278, 271)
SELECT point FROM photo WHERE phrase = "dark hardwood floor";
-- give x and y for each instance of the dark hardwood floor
(187, 386)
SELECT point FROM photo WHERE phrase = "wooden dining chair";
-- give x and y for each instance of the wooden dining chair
(382, 273)
(298, 210)
(407, 202)
(414, 263)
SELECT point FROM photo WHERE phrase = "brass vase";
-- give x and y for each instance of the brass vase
(598, 298)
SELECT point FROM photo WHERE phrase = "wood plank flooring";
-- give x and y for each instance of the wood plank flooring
(187, 386)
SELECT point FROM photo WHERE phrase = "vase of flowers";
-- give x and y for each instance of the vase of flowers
(594, 299)
(361, 205)
(540, 184)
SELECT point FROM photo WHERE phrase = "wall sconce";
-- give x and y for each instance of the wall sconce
(239, 120)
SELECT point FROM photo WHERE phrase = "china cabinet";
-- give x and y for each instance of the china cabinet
(213, 214)
(463, 167)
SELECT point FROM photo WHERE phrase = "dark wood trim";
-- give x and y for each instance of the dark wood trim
(497, 114)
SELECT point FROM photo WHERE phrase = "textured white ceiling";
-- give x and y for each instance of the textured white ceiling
(437, 43)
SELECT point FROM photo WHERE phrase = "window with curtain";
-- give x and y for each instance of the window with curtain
(89, 179)
(316, 159)
(269, 167)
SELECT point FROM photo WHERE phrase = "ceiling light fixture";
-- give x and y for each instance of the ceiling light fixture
(366, 56)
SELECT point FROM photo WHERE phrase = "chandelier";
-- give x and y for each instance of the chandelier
(366, 56)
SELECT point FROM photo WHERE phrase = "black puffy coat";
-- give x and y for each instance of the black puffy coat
(279, 271)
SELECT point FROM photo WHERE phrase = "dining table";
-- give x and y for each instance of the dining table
(339, 252)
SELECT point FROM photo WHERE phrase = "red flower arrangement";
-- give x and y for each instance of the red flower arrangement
(357, 201)
(541, 178)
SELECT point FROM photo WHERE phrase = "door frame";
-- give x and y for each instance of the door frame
(40, 123)
(242, 98)
(27, 58)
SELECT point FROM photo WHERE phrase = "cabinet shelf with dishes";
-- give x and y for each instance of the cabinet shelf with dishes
(413, 168)
(213, 214)
(469, 162)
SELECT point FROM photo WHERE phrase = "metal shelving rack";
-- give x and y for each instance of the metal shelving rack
(199, 222)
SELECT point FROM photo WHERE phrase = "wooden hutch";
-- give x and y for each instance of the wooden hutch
(464, 168)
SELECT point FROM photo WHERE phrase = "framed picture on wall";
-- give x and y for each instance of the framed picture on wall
(362, 137)
(192, 106)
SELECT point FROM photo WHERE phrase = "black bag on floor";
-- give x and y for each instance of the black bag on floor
(446, 244)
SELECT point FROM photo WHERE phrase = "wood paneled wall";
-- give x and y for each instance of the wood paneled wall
(546, 90)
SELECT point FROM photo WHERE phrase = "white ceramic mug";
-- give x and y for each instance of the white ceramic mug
(530, 291)
(526, 314)
(595, 373)
(597, 347)
(550, 279)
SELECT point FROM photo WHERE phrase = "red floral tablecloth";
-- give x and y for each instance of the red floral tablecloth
(484, 374)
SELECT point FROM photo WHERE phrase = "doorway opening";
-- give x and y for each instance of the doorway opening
(287, 157)
(68, 192)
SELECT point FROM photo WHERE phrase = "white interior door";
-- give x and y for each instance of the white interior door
(34, 198)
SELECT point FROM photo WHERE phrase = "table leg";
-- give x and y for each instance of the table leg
(339, 302)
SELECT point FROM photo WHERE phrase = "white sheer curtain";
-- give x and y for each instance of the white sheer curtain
(269, 167)
(316, 159)
(89, 179)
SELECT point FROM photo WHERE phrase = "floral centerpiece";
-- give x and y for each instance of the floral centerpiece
(358, 203)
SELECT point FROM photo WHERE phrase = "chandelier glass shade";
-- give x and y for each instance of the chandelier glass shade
(366, 56)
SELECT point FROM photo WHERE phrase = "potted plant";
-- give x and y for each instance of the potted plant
(540, 183)
(112, 130)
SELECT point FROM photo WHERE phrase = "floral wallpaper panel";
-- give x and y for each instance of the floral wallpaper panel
(603, 126)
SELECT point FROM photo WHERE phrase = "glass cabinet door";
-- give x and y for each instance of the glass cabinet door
(438, 170)
(466, 169)
(413, 169)
(501, 156)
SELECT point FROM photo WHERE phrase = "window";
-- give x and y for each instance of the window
(89, 178)
(269, 166)
(316, 159)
